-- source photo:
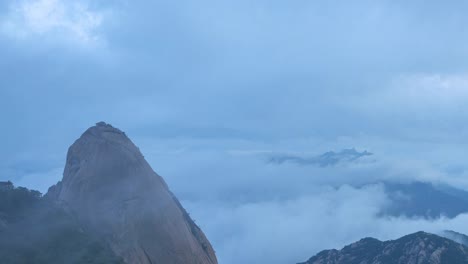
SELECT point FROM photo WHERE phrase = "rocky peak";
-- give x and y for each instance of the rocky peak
(111, 188)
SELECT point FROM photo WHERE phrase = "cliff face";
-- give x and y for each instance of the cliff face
(416, 248)
(114, 192)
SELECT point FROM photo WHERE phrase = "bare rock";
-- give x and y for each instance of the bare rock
(111, 188)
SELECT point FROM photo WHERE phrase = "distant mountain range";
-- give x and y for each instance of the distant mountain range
(417, 248)
(327, 159)
(420, 199)
(410, 199)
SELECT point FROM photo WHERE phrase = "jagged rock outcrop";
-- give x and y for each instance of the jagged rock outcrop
(115, 193)
(417, 248)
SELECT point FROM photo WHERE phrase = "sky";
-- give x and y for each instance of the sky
(210, 90)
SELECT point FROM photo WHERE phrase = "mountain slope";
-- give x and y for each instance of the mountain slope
(417, 248)
(115, 194)
(35, 230)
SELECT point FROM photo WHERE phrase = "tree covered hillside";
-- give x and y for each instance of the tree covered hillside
(35, 230)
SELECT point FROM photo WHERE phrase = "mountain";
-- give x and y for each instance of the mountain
(115, 193)
(417, 248)
(109, 207)
(420, 199)
(327, 159)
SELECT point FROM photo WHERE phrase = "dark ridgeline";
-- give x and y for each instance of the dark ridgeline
(417, 248)
(110, 207)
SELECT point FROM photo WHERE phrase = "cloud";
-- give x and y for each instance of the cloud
(443, 89)
(230, 169)
(53, 18)
(287, 231)
(418, 96)
(255, 212)
(290, 231)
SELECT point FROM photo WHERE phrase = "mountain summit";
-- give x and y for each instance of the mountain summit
(115, 194)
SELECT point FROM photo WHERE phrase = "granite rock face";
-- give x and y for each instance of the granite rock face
(115, 193)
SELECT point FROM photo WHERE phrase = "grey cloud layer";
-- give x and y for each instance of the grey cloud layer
(243, 70)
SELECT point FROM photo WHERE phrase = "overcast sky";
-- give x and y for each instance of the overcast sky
(210, 89)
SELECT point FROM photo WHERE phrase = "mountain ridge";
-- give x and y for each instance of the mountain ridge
(416, 248)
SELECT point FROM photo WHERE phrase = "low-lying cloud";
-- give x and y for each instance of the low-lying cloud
(256, 212)
(291, 231)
